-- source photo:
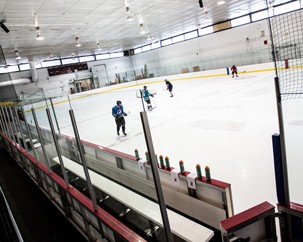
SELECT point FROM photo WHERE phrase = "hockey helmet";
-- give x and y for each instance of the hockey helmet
(145, 87)
(119, 102)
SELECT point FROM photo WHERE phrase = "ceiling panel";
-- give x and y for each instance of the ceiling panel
(105, 21)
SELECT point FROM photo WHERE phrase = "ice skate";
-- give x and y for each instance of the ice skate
(124, 133)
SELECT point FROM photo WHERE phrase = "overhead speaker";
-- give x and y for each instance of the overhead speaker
(200, 3)
(4, 27)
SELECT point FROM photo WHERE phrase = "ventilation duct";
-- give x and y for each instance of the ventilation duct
(15, 82)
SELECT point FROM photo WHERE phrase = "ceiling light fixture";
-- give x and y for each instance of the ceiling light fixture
(39, 36)
(129, 17)
(142, 31)
(18, 57)
(6, 30)
(78, 44)
(270, 3)
(221, 2)
(98, 45)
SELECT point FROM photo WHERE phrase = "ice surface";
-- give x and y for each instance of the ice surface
(222, 122)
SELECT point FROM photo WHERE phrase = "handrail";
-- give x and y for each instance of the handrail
(12, 220)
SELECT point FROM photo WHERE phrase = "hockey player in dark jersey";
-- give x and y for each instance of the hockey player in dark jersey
(145, 96)
(234, 71)
(118, 113)
(169, 87)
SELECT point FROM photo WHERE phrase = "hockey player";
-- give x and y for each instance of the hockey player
(146, 95)
(118, 113)
(169, 87)
(234, 71)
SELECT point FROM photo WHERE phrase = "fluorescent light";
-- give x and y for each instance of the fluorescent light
(78, 44)
(39, 37)
(142, 31)
(221, 2)
(18, 57)
(98, 45)
(129, 17)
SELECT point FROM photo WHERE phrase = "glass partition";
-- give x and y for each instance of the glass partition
(118, 184)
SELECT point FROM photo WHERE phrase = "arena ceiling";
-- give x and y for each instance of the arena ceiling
(101, 26)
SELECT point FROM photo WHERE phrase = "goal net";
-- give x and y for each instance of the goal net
(287, 34)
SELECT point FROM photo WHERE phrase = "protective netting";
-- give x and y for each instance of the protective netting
(287, 33)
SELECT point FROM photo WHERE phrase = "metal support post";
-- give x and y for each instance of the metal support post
(86, 224)
(9, 125)
(153, 160)
(41, 140)
(141, 95)
(55, 116)
(5, 123)
(57, 147)
(29, 133)
(3, 128)
(18, 140)
(282, 141)
(285, 221)
(83, 160)
(20, 129)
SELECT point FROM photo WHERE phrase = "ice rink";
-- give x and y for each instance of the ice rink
(222, 122)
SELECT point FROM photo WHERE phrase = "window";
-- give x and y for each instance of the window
(287, 7)
(259, 15)
(9, 69)
(191, 35)
(102, 57)
(178, 38)
(117, 54)
(38, 65)
(240, 21)
(166, 42)
(3, 70)
(70, 60)
(138, 50)
(87, 58)
(205, 31)
(146, 48)
(51, 63)
(24, 67)
(155, 45)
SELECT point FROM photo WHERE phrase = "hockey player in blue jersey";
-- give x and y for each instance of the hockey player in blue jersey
(118, 113)
(145, 96)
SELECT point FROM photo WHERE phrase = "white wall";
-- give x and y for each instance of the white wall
(227, 43)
